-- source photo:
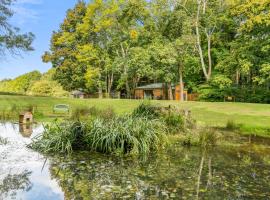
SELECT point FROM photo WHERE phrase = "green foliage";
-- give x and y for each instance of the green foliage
(21, 84)
(84, 113)
(175, 123)
(208, 137)
(121, 135)
(34, 83)
(126, 134)
(11, 39)
(47, 88)
(60, 137)
(147, 110)
(232, 126)
(103, 46)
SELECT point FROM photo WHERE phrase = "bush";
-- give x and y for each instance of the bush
(60, 138)
(241, 94)
(175, 123)
(47, 88)
(147, 110)
(121, 135)
(125, 135)
(208, 137)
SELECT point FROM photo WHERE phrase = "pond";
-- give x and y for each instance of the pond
(229, 172)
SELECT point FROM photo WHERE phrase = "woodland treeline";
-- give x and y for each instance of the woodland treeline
(216, 47)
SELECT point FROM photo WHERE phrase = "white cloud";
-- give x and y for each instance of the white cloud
(23, 11)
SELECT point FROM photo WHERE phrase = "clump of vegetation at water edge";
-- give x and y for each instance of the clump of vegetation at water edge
(142, 131)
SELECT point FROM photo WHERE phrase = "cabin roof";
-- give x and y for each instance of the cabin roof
(154, 86)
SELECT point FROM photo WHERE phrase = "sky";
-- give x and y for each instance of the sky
(40, 17)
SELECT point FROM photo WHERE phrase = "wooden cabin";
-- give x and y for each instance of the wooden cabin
(158, 91)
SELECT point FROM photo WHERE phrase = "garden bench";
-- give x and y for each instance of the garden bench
(61, 108)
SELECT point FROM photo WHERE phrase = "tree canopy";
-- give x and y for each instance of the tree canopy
(216, 48)
(10, 37)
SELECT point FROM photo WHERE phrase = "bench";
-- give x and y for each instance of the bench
(61, 108)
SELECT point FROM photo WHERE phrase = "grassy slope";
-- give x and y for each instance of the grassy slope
(254, 117)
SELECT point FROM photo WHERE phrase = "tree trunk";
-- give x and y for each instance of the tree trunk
(181, 83)
(209, 55)
(100, 95)
(110, 83)
(124, 54)
(199, 41)
(170, 93)
(237, 77)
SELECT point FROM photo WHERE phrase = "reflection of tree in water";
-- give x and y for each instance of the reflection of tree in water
(13, 183)
(183, 173)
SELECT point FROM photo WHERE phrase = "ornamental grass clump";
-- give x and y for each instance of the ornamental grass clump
(125, 135)
(60, 138)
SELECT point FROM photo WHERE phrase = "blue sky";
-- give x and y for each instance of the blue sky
(40, 17)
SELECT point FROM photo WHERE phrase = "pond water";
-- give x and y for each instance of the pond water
(231, 172)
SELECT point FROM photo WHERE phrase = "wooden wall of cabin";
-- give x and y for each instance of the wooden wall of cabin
(158, 94)
(139, 94)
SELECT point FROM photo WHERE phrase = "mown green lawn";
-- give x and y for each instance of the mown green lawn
(254, 118)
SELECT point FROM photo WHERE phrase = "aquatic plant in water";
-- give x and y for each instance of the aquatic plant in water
(125, 135)
(3, 141)
(121, 135)
(60, 137)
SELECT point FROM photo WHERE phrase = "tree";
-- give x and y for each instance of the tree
(64, 49)
(10, 38)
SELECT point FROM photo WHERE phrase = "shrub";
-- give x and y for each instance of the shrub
(60, 138)
(125, 135)
(47, 88)
(147, 110)
(175, 123)
(121, 135)
(208, 137)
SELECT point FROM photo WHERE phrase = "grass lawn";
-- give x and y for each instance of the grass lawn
(255, 118)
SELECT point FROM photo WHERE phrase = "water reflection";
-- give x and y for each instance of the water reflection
(13, 183)
(26, 130)
(232, 172)
(20, 169)
(177, 174)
